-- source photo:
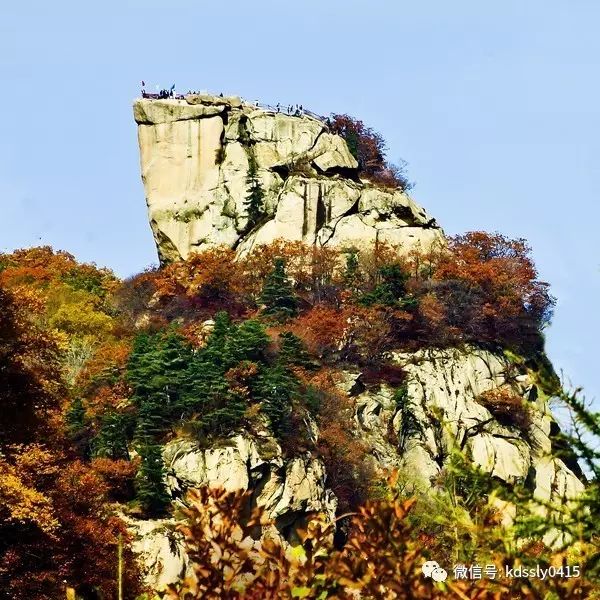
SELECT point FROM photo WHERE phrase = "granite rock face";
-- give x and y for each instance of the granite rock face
(196, 156)
(440, 412)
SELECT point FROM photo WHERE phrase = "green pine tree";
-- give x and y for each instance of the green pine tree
(278, 294)
(140, 361)
(157, 369)
(351, 273)
(224, 417)
(215, 345)
(391, 291)
(152, 419)
(111, 441)
(254, 201)
(209, 403)
(174, 354)
(276, 389)
(205, 387)
(293, 352)
(75, 418)
(151, 491)
(248, 341)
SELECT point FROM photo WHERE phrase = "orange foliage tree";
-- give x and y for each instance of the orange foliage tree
(382, 558)
(494, 279)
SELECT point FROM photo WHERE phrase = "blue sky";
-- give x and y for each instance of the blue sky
(495, 105)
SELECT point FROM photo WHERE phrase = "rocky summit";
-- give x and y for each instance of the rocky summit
(201, 155)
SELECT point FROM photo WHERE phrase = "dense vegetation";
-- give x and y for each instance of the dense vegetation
(97, 374)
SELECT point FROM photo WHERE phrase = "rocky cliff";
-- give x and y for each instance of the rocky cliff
(443, 411)
(201, 155)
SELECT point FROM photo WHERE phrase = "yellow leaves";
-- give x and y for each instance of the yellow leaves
(29, 299)
(33, 460)
(301, 592)
(297, 553)
(77, 312)
(23, 503)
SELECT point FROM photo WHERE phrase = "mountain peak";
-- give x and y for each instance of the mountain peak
(219, 171)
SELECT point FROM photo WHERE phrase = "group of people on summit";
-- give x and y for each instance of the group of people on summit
(292, 109)
(296, 110)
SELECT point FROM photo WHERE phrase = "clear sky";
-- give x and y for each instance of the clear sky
(495, 105)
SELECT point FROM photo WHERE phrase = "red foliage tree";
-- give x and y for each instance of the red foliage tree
(497, 277)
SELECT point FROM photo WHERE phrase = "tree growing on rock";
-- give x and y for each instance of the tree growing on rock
(369, 149)
(255, 198)
(276, 389)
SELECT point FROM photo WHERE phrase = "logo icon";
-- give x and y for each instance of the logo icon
(433, 570)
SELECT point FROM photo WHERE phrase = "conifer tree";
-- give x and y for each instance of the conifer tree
(391, 291)
(205, 374)
(205, 386)
(278, 294)
(207, 397)
(254, 201)
(351, 273)
(152, 419)
(248, 341)
(215, 345)
(223, 418)
(293, 352)
(157, 370)
(111, 441)
(151, 491)
(140, 359)
(75, 418)
(77, 429)
(276, 389)
(173, 356)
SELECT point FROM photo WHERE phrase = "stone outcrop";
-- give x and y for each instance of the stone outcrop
(440, 412)
(160, 551)
(290, 491)
(286, 489)
(195, 159)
